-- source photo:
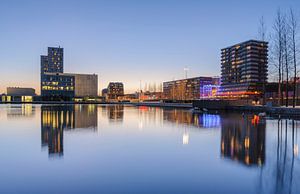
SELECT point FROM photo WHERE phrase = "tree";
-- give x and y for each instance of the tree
(285, 42)
(293, 24)
(262, 36)
(278, 46)
(262, 29)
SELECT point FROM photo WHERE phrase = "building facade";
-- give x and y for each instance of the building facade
(16, 91)
(244, 69)
(86, 85)
(17, 94)
(53, 62)
(57, 85)
(114, 90)
(190, 89)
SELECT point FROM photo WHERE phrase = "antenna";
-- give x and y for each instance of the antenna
(185, 69)
(140, 86)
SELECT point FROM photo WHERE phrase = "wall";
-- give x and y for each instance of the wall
(86, 85)
(20, 91)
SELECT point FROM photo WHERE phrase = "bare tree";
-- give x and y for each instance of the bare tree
(293, 29)
(285, 42)
(262, 36)
(278, 46)
(262, 29)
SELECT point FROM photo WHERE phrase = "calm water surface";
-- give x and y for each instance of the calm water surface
(117, 149)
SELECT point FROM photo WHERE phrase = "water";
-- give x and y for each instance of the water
(117, 149)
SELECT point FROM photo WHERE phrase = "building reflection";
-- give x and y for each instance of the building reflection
(243, 138)
(181, 116)
(23, 110)
(56, 119)
(149, 116)
(115, 113)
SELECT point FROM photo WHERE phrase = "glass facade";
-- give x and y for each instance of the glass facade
(54, 84)
(244, 69)
(58, 85)
(188, 89)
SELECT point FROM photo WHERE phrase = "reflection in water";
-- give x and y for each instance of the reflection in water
(180, 116)
(262, 155)
(185, 138)
(148, 116)
(23, 110)
(280, 175)
(56, 119)
(187, 118)
(115, 113)
(209, 120)
(243, 139)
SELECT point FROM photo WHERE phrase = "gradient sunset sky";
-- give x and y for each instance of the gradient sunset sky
(126, 40)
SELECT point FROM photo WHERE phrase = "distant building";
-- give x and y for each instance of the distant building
(57, 85)
(53, 62)
(104, 93)
(151, 96)
(16, 91)
(86, 85)
(244, 69)
(115, 89)
(191, 88)
(210, 90)
(17, 94)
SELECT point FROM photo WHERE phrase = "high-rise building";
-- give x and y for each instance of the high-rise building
(53, 62)
(115, 89)
(57, 85)
(244, 69)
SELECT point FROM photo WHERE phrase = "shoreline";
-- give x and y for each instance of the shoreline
(273, 111)
(150, 104)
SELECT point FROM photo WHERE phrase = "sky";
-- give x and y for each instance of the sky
(132, 41)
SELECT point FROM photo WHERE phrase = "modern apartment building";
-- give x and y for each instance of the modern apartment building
(53, 62)
(244, 69)
(191, 88)
(57, 85)
(115, 89)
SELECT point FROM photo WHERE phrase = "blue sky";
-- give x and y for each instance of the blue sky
(126, 40)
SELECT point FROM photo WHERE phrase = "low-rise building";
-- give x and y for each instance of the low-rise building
(114, 90)
(191, 88)
(151, 96)
(129, 97)
(104, 93)
(18, 94)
